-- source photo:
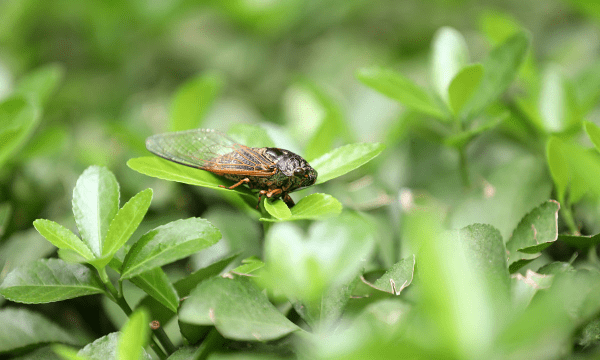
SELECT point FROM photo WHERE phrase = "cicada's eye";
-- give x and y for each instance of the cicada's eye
(299, 172)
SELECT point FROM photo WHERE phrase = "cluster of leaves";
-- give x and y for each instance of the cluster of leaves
(376, 277)
(105, 229)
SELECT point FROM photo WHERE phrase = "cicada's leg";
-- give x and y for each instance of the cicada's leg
(272, 192)
(287, 199)
(260, 194)
(243, 181)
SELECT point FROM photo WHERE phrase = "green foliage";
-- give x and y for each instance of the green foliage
(49, 280)
(499, 70)
(536, 231)
(314, 206)
(344, 159)
(168, 243)
(192, 101)
(397, 87)
(463, 86)
(22, 328)
(397, 277)
(302, 267)
(471, 234)
(18, 119)
(120, 346)
(166, 170)
(134, 336)
(237, 309)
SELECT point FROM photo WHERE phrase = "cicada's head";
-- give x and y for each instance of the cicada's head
(305, 176)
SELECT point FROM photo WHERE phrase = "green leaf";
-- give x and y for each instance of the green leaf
(302, 267)
(185, 285)
(12, 254)
(18, 120)
(552, 318)
(41, 352)
(463, 279)
(22, 328)
(316, 206)
(164, 312)
(313, 207)
(449, 54)
(62, 238)
(394, 85)
(155, 283)
(593, 132)
(168, 243)
(242, 234)
(238, 310)
(330, 126)
(378, 332)
(523, 288)
(518, 185)
(579, 166)
(590, 334)
(397, 278)
(49, 280)
(498, 26)
(462, 138)
(168, 170)
(558, 165)
(324, 315)
(106, 348)
(47, 142)
(126, 221)
(484, 249)
(67, 353)
(71, 256)
(463, 86)
(556, 103)
(95, 204)
(249, 265)
(278, 209)
(193, 100)
(345, 159)
(41, 83)
(187, 353)
(581, 242)
(500, 69)
(586, 86)
(134, 336)
(556, 267)
(536, 231)
(5, 212)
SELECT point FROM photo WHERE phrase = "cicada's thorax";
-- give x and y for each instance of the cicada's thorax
(280, 162)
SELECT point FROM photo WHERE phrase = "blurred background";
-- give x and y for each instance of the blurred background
(108, 74)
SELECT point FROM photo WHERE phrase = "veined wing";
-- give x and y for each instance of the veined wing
(210, 150)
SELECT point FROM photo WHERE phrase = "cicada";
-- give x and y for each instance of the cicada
(274, 172)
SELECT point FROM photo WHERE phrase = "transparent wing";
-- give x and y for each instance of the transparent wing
(209, 150)
(196, 148)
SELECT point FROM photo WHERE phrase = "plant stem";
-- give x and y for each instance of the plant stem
(157, 350)
(212, 339)
(464, 167)
(164, 340)
(118, 298)
(567, 215)
(127, 310)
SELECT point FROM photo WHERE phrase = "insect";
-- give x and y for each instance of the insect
(274, 172)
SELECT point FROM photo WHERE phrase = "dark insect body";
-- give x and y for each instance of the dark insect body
(274, 172)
